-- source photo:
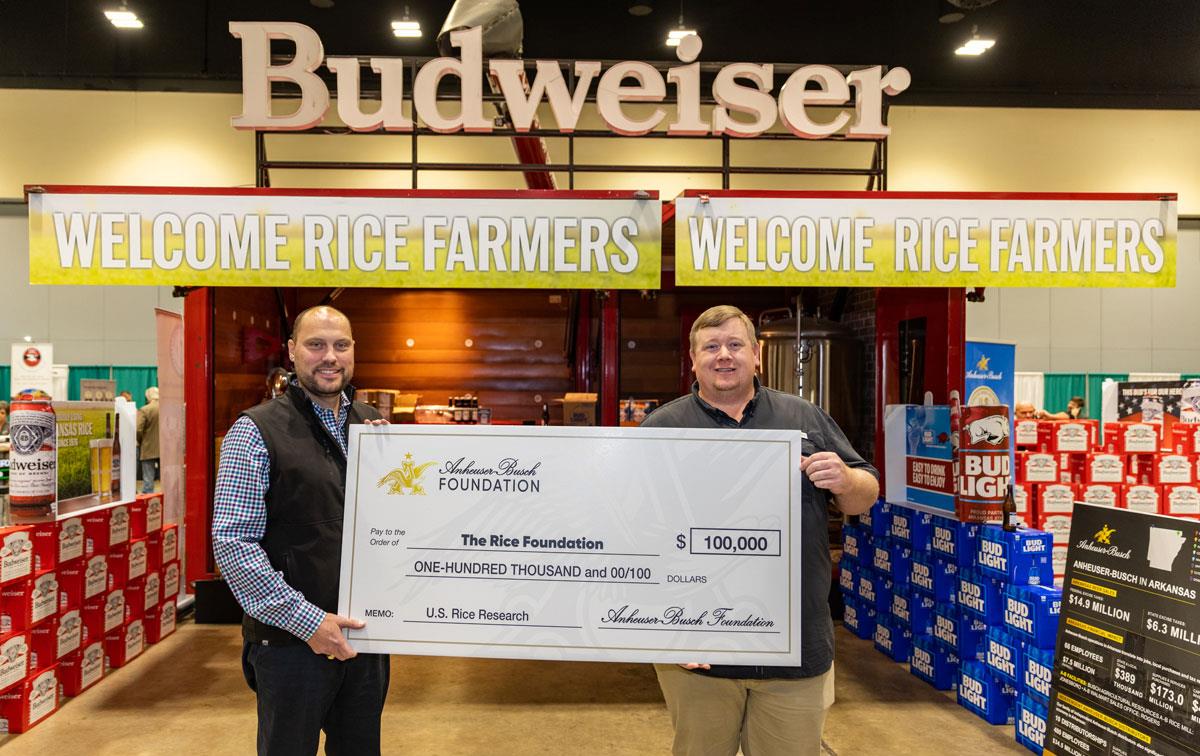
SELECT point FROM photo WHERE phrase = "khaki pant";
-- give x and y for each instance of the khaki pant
(713, 716)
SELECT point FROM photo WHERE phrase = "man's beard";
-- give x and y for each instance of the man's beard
(316, 390)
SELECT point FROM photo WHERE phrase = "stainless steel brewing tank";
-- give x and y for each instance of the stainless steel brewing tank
(831, 368)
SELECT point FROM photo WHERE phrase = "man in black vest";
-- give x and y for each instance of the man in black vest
(277, 539)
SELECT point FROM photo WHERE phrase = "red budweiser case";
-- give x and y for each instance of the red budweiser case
(103, 615)
(83, 579)
(1058, 525)
(1071, 436)
(26, 603)
(105, 529)
(1025, 435)
(1055, 498)
(145, 515)
(31, 702)
(125, 643)
(1185, 439)
(170, 580)
(1136, 438)
(1174, 469)
(82, 669)
(1141, 498)
(1181, 500)
(14, 659)
(16, 553)
(1101, 494)
(1139, 469)
(161, 622)
(1037, 467)
(1101, 467)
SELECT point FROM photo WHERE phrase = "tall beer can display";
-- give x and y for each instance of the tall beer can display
(33, 470)
(983, 463)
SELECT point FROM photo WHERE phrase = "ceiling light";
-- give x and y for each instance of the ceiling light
(123, 18)
(675, 35)
(949, 14)
(641, 8)
(321, 3)
(28, 339)
(975, 45)
(406, 27)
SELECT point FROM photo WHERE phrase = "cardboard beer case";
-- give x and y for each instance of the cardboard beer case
(72, 540)
(103, 614)
(125, 643)
(1031, 613)
(1142, 498)
(852, 542)
(82, 669)
(1185, 438)
(1025, 434)
(31, 702)
(1055, 497)
(170, 543)
(1100, 494)
(146, 592)
(1072, 436)
(1020, 556)
(982, 694)
(913, 610)
(912, 527)
(1031, 716)
(44, 538)
(137, 566)
(1037, 467)
(26, 603)
(1140, 469)
(1059, 528)
(1174, 469)
(105, 529)
(920, 574)
(14, 659)
(1024, 504)
(44, 646)
(170, 580)
(16, 553)
(1072, 467)
(1136, 438)
(959, 631)
(859, 619)
(1037, 672)
(145, 515)
(847, 576)
(118, 566)
(892, 639)
(1002, 652)
(953, 540)
(979, 597)
(83, 579)
(933, 663)
(1181, 501)
(945, 580)
(70, 632)
(1101, 467)
(878, 520)
(160, 623)
(1058, 562)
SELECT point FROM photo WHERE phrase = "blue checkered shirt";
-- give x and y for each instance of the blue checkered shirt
(240, 522)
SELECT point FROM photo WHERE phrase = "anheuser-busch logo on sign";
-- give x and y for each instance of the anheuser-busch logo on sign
(741, 88)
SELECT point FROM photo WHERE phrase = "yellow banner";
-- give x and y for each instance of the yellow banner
(905, 239)
(184, 237)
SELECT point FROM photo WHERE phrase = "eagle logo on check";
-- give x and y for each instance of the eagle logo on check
(405, 479)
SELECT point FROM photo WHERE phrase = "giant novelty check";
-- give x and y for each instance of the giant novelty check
(589, 544)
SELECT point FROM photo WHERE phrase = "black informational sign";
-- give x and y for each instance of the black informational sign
(1127, 669)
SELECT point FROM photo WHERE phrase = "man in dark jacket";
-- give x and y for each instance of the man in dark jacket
(277, 537)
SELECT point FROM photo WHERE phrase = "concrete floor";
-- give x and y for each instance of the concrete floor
(186, 696)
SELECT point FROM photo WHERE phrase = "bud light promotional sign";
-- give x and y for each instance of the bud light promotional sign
(984, 465)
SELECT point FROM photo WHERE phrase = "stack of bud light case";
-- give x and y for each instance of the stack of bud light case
(970, 608)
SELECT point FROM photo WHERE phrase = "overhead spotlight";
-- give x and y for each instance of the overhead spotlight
(675, 35)
(976, 45)
(406, 27)
(949, 14)
(123, 18)
(641, 9)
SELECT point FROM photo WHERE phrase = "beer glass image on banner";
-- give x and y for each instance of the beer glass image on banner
(84, 450)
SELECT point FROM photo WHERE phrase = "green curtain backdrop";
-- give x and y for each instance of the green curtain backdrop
(5, 376)
(135, 380)
(1060, 387)
(1094, 394)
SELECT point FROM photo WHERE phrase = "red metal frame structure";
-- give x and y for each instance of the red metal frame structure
(198, 417)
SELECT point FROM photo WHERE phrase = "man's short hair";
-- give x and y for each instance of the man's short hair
(714, 317)
(306, 311)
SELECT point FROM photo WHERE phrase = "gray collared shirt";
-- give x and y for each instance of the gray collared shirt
(771, 409)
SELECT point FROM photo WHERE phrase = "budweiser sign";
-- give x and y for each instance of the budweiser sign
(745, 106)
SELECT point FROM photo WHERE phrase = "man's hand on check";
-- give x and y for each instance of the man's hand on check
(380, 421)
(827, 470)
(695, 665)
(328, 638)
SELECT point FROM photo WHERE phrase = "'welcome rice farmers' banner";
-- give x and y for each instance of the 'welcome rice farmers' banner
(263, 237)
(756, 238)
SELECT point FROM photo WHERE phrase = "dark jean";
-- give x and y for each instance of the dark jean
(301, 693)
(149, 473)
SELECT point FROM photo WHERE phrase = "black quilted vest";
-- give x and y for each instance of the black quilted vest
(304, 501)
